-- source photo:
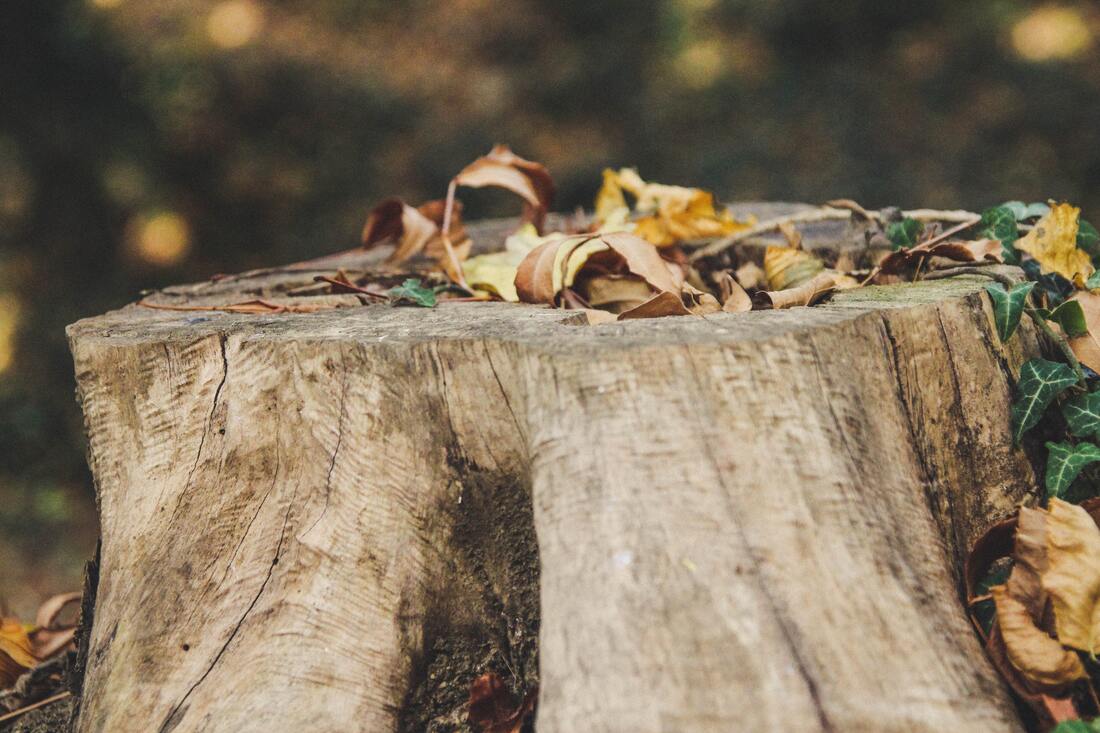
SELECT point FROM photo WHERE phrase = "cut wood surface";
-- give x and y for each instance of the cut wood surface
(744, 522)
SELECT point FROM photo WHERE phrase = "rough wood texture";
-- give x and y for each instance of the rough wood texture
(749, 522)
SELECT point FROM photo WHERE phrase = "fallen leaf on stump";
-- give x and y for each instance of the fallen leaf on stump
(494, 709)
(808, 293)
(525, 178)
(787, 267)
(1053, 242)
(670, 214)
(979, 250)
(413, 230)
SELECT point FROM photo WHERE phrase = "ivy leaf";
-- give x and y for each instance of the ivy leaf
(999, 223)
(1093, 283)
(1008, 305)
(985, 611)
(1040, 382)
(1055, 287)
(1023, 211)
(1088, 239)
(1078, 726)
(413, 293)
(1071, 318)
(1065, 462)
(1082, 414)
(904, 233)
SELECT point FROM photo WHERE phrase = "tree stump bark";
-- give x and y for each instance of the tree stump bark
(334, 521)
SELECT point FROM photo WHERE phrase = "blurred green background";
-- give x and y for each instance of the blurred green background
(149, 141)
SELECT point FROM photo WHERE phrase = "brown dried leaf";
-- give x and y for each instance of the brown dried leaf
(1032, 651)
(525, 178)
(643, 259)
(494, 709)
(659, 306)
(751, 276)
(1073, 575)
(1030, 556)
(543, 272)
(413, 230)
(806, 294)
(733, 296)
(978, 250)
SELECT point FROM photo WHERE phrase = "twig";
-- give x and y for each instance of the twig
(34, 706)
(829, 213)
(962, 226)
(348, 285)
(445, 232)
(1000, 277)
(1059, 340)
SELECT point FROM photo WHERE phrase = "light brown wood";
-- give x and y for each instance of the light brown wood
(746, 522)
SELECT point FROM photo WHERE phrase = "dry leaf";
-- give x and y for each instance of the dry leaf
(1073, 575)
(548, 268)
(597, 317)
(643, 260)
(528, 179)
(807, 293)
(1053, 242)
(1087, 348)
(1030, 649)
(413, 230)
(733, 296)
(16, 652)
(659, 306)
(494, 709)
(1030, 556)
(978, 250)
(787, 267)
(670, 214)
(615, 293)
(751, 276)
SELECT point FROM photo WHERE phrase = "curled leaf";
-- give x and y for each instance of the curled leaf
(978, 250)
(1073, 575)
(733, 296)
(1030, 562)
(1031, 650)
(807, 293)
(413, 230)
(525, 178)
(659, 306)
(1053, 242)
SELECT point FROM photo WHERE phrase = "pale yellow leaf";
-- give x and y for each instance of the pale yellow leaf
(787, 267)
(1072, 577)
(1053, 242)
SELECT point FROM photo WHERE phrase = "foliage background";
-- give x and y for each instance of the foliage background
(150, 141)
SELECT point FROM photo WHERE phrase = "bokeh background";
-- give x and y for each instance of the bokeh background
(150, 141)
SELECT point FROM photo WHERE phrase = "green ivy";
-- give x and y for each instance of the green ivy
(411, 292)
(904, 233)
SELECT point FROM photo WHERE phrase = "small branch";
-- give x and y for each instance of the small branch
(445, 232)
(829, 213)
(41, 703)
(1000, 277)
(1059, 340)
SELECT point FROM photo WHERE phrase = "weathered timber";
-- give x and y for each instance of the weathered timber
(748, 522)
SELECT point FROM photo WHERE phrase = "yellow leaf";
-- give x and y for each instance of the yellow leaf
(1072, 577)
(1030, 649)
(16, 656)
(670, 214)
(1053, 242)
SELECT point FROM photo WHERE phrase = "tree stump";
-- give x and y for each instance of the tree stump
(334, 521)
